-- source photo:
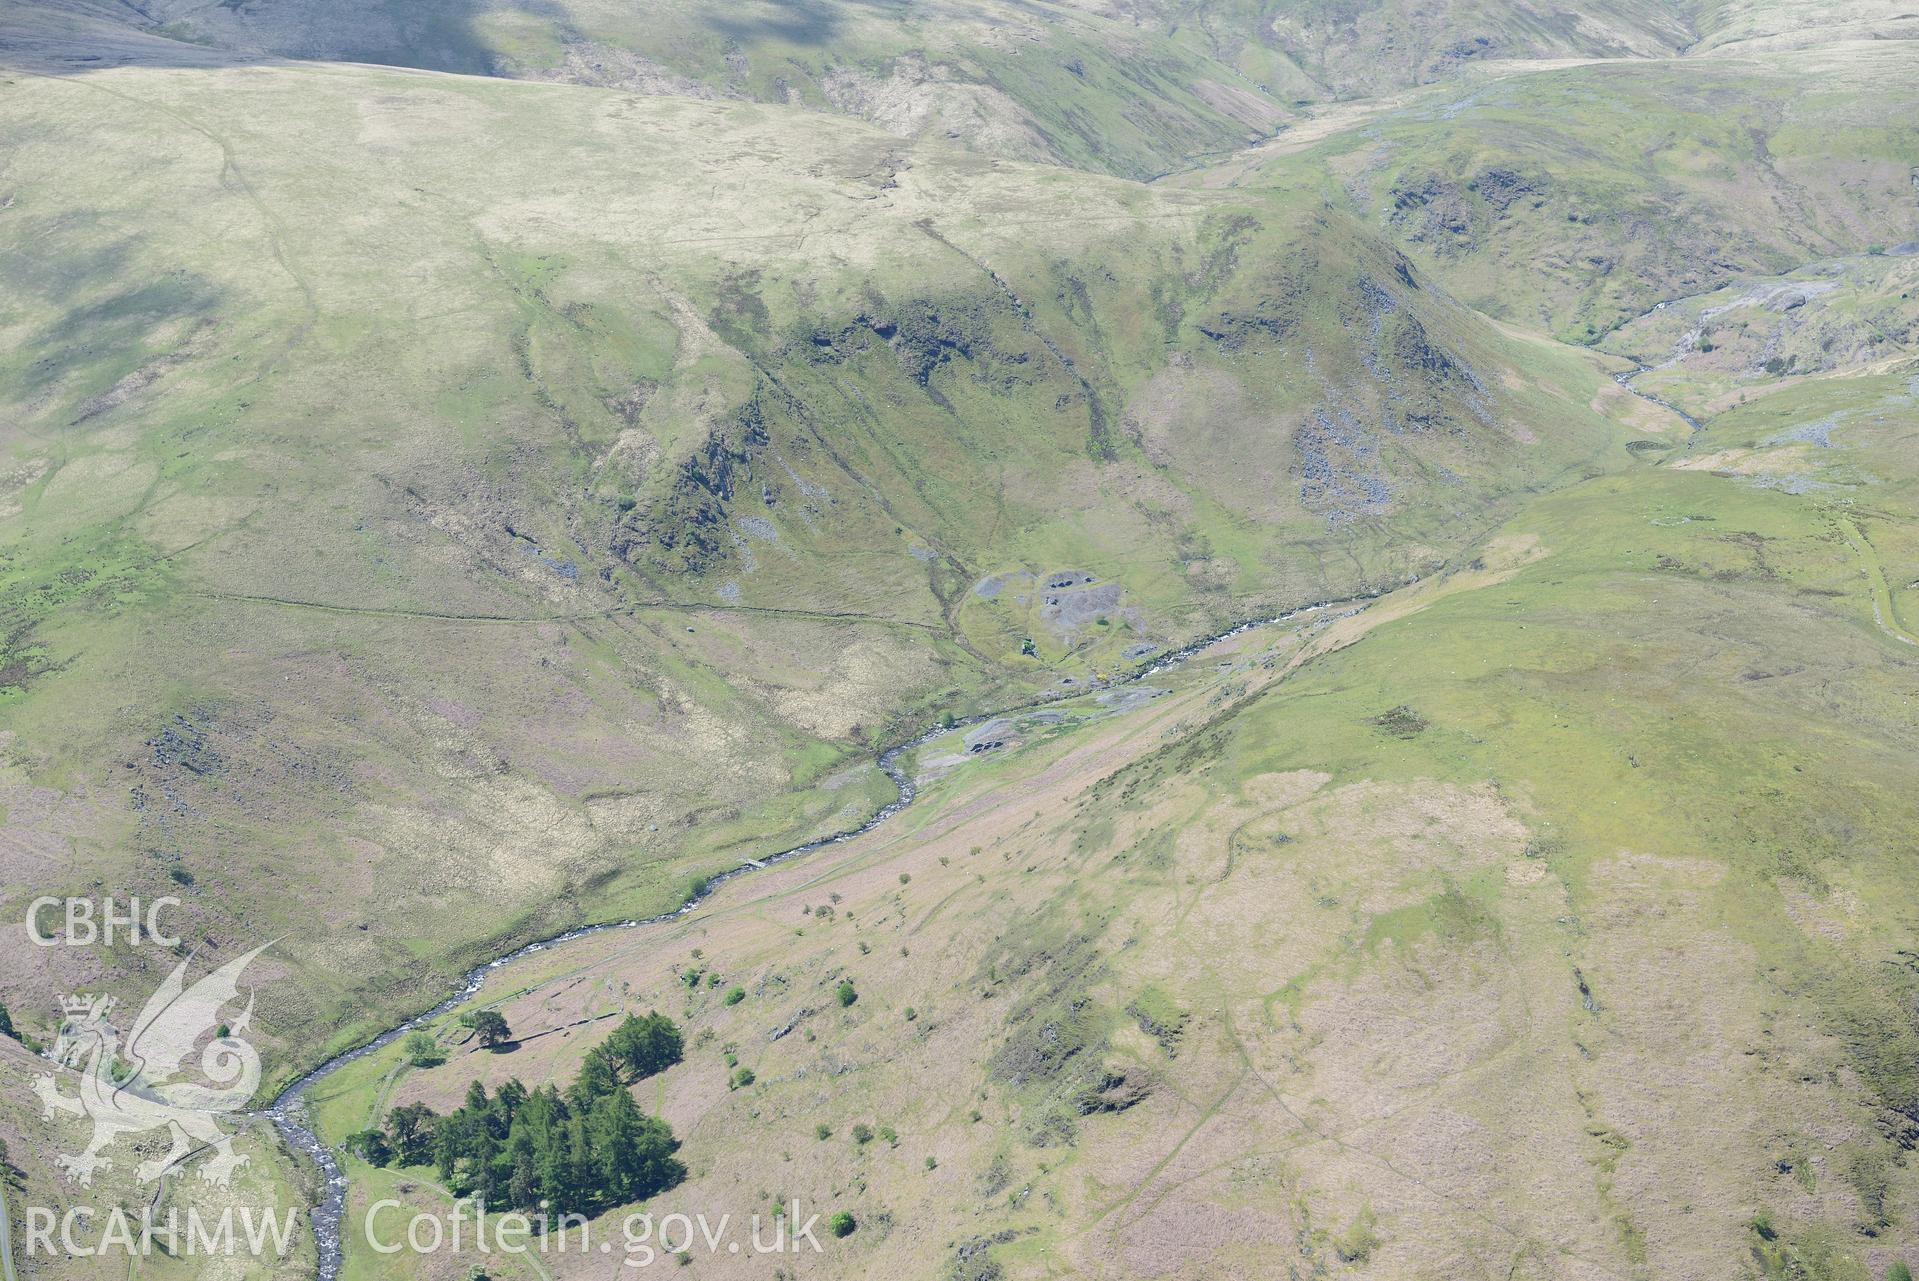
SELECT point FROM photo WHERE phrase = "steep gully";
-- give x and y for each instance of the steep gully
(1625, 377)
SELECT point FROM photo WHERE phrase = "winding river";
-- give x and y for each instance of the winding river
(288, 1111)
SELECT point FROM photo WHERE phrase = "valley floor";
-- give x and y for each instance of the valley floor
(446, 510)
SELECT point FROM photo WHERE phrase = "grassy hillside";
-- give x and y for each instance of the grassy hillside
(1134, 88)
(1550, 918)
(443, 509)
(1363, 48)
(1573, 200)
(1369, 48)
(1744, 26)
(1072, 88)
(474, 470)
(1760, 335)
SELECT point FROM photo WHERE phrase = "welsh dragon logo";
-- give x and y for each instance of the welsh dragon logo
(138, 1086)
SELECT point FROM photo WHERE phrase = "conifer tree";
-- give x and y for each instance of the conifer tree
(587, 1150)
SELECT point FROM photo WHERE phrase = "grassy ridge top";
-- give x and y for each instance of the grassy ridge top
(1072, 88)
(1134, 89)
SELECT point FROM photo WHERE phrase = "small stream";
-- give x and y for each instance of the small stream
(1625, 379)
(287, 1112)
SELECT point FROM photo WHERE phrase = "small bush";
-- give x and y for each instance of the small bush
(1401, 722)
(862, 1134)
(842, 1224)
(822, 1131)
(422, 1051)
(1357, 1243)
(742, 1078)
(733, 996)
(847, 993)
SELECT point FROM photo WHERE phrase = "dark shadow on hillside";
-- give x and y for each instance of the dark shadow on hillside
(72, 36)
(816, 23)
(103, 299)
(812, 23)
(56, 39)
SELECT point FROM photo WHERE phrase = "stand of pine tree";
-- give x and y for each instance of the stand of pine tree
(580, 1151)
